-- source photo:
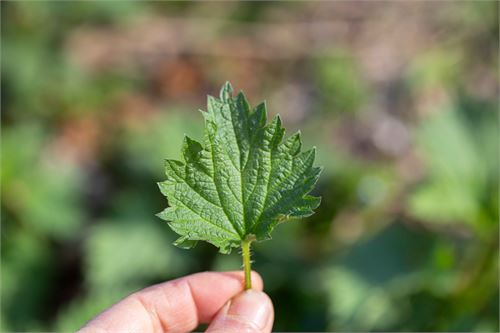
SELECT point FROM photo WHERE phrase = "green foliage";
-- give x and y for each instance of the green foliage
(406, 242)
(453, 172)
(435, 67)
(242, 182)
(340, 83)
(58, 183)
(138, 243)
(363, 307)
(24, 257)
(166, 130)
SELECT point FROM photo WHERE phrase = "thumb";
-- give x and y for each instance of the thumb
(251, 312)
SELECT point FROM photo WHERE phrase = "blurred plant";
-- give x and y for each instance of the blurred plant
(407, 236)
(453, 173)
(32, 194)
(340, 85)
(161, 135)
(122, 255)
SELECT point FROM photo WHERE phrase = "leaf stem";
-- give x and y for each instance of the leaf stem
(247, 263)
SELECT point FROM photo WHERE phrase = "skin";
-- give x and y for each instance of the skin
(180, 305)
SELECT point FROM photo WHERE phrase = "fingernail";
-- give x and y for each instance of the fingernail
(252, 307)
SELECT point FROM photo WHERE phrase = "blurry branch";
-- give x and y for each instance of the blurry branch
(159, 37)
(472, 294)
(154, 37)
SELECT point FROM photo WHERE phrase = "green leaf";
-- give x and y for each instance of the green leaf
(242, 181)
(451, 155)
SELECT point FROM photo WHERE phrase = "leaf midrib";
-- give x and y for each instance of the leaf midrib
(218, 190)
(239, 171)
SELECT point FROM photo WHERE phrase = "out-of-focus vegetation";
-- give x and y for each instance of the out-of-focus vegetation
(400, 98)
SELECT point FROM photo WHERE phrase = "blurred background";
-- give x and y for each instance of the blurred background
(400, 98)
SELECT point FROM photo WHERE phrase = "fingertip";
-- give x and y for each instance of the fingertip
(257, 281)
(250, 311)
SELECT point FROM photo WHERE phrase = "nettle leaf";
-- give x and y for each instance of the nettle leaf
(242, 181)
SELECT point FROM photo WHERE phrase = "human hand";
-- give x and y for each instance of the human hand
(180, 305)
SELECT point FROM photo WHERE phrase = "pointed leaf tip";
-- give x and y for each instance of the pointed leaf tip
(226, 92)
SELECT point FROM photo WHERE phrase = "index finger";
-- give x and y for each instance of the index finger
(176, 306)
